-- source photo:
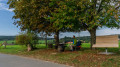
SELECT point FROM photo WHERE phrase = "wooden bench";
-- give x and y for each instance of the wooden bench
(110, 41)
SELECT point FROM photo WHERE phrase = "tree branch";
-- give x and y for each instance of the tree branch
(99, 9)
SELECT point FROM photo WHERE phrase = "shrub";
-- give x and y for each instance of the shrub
(28, 39)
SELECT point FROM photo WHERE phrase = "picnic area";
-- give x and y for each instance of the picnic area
(84, 57)
(58, 33)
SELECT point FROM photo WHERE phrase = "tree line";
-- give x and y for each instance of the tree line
(86, 39)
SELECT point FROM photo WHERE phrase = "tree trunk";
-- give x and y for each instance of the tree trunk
(29, 48)
(57, 38)
(46, 39)
(93, 36)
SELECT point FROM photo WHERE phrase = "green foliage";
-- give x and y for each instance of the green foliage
(27, 38)
(42, 15)
(64, 15)
(87, 14)
(53, 15)
(32, 14)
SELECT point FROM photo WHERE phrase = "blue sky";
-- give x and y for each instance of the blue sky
(8, 28)
(6, 22)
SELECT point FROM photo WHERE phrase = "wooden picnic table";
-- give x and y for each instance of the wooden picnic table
(60, 47)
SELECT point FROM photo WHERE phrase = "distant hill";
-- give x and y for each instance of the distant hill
(7, 38)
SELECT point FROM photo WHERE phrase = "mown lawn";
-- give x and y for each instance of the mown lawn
(83, 58)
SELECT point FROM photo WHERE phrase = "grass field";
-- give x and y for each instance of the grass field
(40, 41)
(83, 58)
(9, 41)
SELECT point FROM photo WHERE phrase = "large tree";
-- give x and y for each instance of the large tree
(39, 16)
(89, 15)
(64, 17)
(100, 13)
(33, 14)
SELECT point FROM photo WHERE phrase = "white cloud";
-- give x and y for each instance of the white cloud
(4, 6)
(108, 31)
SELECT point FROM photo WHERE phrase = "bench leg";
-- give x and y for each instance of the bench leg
(106, 50)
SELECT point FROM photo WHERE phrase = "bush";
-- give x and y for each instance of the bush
(28, 39)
